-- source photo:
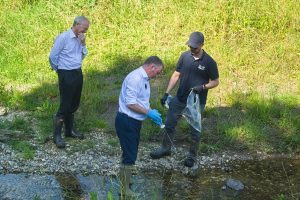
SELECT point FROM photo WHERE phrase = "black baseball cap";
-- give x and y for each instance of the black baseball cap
(196, 38)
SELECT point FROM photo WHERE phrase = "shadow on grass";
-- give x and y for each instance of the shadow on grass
(250, 122)
(99, 98)
(254, 123)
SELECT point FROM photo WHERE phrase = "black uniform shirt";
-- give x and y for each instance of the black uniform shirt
(194, 73)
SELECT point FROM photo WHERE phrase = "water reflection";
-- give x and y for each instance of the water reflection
(23, 187)
(268, 179)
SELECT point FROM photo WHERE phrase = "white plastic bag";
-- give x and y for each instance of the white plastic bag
(192, 111)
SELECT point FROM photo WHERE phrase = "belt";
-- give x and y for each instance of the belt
(72, 70)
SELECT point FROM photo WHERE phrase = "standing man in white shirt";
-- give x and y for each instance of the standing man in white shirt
(65, 58)
(134, 107)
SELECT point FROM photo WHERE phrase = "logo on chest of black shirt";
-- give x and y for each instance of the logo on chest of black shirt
(201, 67)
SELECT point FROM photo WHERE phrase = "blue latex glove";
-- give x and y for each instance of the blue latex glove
(154, 115)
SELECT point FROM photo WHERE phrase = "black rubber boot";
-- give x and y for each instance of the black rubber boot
(165, 149)
(69, 128)
(57, 127)
(192, 156)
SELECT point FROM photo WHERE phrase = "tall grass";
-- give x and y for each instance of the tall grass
(255, 43)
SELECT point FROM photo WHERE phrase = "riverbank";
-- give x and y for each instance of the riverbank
(97, 154)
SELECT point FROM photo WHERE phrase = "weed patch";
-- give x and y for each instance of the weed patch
(25, 148)
(251, 103)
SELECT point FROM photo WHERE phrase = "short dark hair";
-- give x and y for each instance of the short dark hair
(154, 60)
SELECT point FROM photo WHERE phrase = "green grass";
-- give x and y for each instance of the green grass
(36, 197)
(93, 195)
(255, 43)
(17, 123)
(259, 123)
(113, 142)
(109, 195)
(17, 133)
(25, 148)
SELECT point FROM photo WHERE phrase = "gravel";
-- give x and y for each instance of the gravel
(102, 158)
(98, 154)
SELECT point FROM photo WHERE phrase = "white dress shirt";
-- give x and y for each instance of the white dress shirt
(135, 90)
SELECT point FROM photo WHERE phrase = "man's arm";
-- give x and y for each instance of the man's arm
(84, 52)
(173, 80)
(211, 84)
(137, 108)
(154, 115)
(81, 37)
(55, 51)
(131, 93)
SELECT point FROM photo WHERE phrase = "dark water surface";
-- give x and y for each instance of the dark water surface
(268, 179)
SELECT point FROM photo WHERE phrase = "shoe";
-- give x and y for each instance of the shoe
(192, 156)
(69, 128)
(57, 128)
(189, 161)
(165, 149)
(160, 152)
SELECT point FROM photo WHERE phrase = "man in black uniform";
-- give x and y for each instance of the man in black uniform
(196, 71)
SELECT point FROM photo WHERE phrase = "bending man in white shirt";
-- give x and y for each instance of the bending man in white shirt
(134, 107)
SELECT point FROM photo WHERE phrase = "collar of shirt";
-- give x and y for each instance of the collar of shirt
(195, 58)
(71, 33)
(145, 76)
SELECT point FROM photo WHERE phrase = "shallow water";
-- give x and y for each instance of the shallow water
(267, 179)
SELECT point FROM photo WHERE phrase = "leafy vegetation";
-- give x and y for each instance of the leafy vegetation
(93, 195)
(256, 44)
(25, 148)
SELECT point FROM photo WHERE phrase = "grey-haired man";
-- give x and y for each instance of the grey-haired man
(65, 58)
(196, 71)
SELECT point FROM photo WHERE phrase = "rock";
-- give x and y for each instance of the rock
(234, 184)
(227, 169)
(3, 111)
(193, 171)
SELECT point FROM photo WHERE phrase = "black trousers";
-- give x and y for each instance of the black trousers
(175, 113)
(70, 87)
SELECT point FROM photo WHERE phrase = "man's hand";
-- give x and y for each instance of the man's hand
(198, 89)
(81, 37)
(154, 115)
(164, 99)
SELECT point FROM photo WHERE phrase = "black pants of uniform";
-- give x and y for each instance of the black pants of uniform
(70, 87)
(175, 113)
